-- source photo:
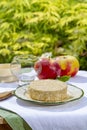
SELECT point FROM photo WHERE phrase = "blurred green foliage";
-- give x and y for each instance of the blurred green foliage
(39, 26)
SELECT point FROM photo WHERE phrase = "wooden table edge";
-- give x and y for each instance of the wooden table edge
(2, 120)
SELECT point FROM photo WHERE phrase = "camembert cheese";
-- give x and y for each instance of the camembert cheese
(48, 90)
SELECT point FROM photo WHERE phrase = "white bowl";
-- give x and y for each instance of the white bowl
(6, 74)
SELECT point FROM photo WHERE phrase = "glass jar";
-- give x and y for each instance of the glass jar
(26, 73)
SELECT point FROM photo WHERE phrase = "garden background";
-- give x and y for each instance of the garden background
(39, 26)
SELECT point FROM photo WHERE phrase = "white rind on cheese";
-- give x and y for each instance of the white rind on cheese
(48, 90)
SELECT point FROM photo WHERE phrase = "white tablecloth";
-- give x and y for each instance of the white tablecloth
(69, 116)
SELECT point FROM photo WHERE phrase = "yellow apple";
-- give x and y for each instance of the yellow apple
(69, 65)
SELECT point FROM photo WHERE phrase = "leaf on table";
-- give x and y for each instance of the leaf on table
(64, 78)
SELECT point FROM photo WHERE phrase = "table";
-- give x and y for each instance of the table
(69, 116)
(2, 121)
(4, 125)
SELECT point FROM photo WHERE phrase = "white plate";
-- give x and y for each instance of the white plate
(73, 93)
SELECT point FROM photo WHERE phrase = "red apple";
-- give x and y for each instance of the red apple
(47, 68)
(69, 65)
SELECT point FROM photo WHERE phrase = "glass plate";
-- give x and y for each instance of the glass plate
(73, 93)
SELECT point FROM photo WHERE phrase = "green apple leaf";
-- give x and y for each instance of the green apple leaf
(63, 78)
